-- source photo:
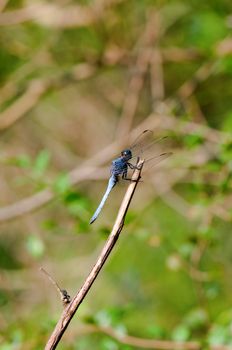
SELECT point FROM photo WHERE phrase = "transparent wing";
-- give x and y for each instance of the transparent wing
(151, 162)
(149, 148)
(146, 145)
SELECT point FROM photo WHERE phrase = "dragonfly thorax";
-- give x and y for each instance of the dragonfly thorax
(126, 154)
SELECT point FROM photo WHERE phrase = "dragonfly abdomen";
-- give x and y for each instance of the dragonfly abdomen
(112, 182)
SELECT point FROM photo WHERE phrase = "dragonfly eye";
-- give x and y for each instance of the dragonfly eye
(126, 154)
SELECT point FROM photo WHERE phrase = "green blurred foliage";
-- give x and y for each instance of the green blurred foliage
(64, 90)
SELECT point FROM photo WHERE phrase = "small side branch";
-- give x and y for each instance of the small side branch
(64, 296)
(71, 309)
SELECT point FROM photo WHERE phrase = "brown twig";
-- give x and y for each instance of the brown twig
(71, 309)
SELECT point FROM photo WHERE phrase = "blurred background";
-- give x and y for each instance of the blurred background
(78, 81)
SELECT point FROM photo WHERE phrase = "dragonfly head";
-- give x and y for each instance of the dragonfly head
(126, 154)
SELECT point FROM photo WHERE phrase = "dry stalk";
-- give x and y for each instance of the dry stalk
(71, 309)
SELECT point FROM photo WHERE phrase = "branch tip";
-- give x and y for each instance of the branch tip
(64, 296)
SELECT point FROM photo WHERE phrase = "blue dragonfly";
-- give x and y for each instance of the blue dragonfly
(120, 165)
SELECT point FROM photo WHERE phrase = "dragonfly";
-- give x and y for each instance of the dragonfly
(120, 165)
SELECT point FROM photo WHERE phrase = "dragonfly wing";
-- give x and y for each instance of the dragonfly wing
(144, 144)
(153, 161)
(112, 182)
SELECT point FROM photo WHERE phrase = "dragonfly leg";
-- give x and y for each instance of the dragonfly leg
(124, 177)
(132, 166)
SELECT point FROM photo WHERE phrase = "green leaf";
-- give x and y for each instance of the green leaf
(206, 29)
(62, 184)
(77, 204)
(21, 161)
(109, 344)
(104, 231)
(35, 246)
(49, 224)
(197, 318)
(193, 140)
(103, 318)
(5, 297)
(186, 249)
(156, 331)
(181, 333)
(225, 65)
(41, 163)
(212, 290)
(8, 258)
(218, 335)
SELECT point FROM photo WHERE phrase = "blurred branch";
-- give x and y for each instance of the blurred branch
(224, 47)
(57, 16)
(157, 79)
(153, 56)
(156, 68)
(220, 347)
(23, 104)
(144, 46)
(71, 309)
(175, 201)
(176, 54)
(87, 171)
(134, 88)
(202, 73)
(18, 77)
(147, 343)
(142, 342)
(36, 89)
(43, 197)
(85, 70)
(89, 168)
(193, 108)
(3, 4)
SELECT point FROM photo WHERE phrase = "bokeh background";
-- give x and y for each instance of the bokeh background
(79, 79)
